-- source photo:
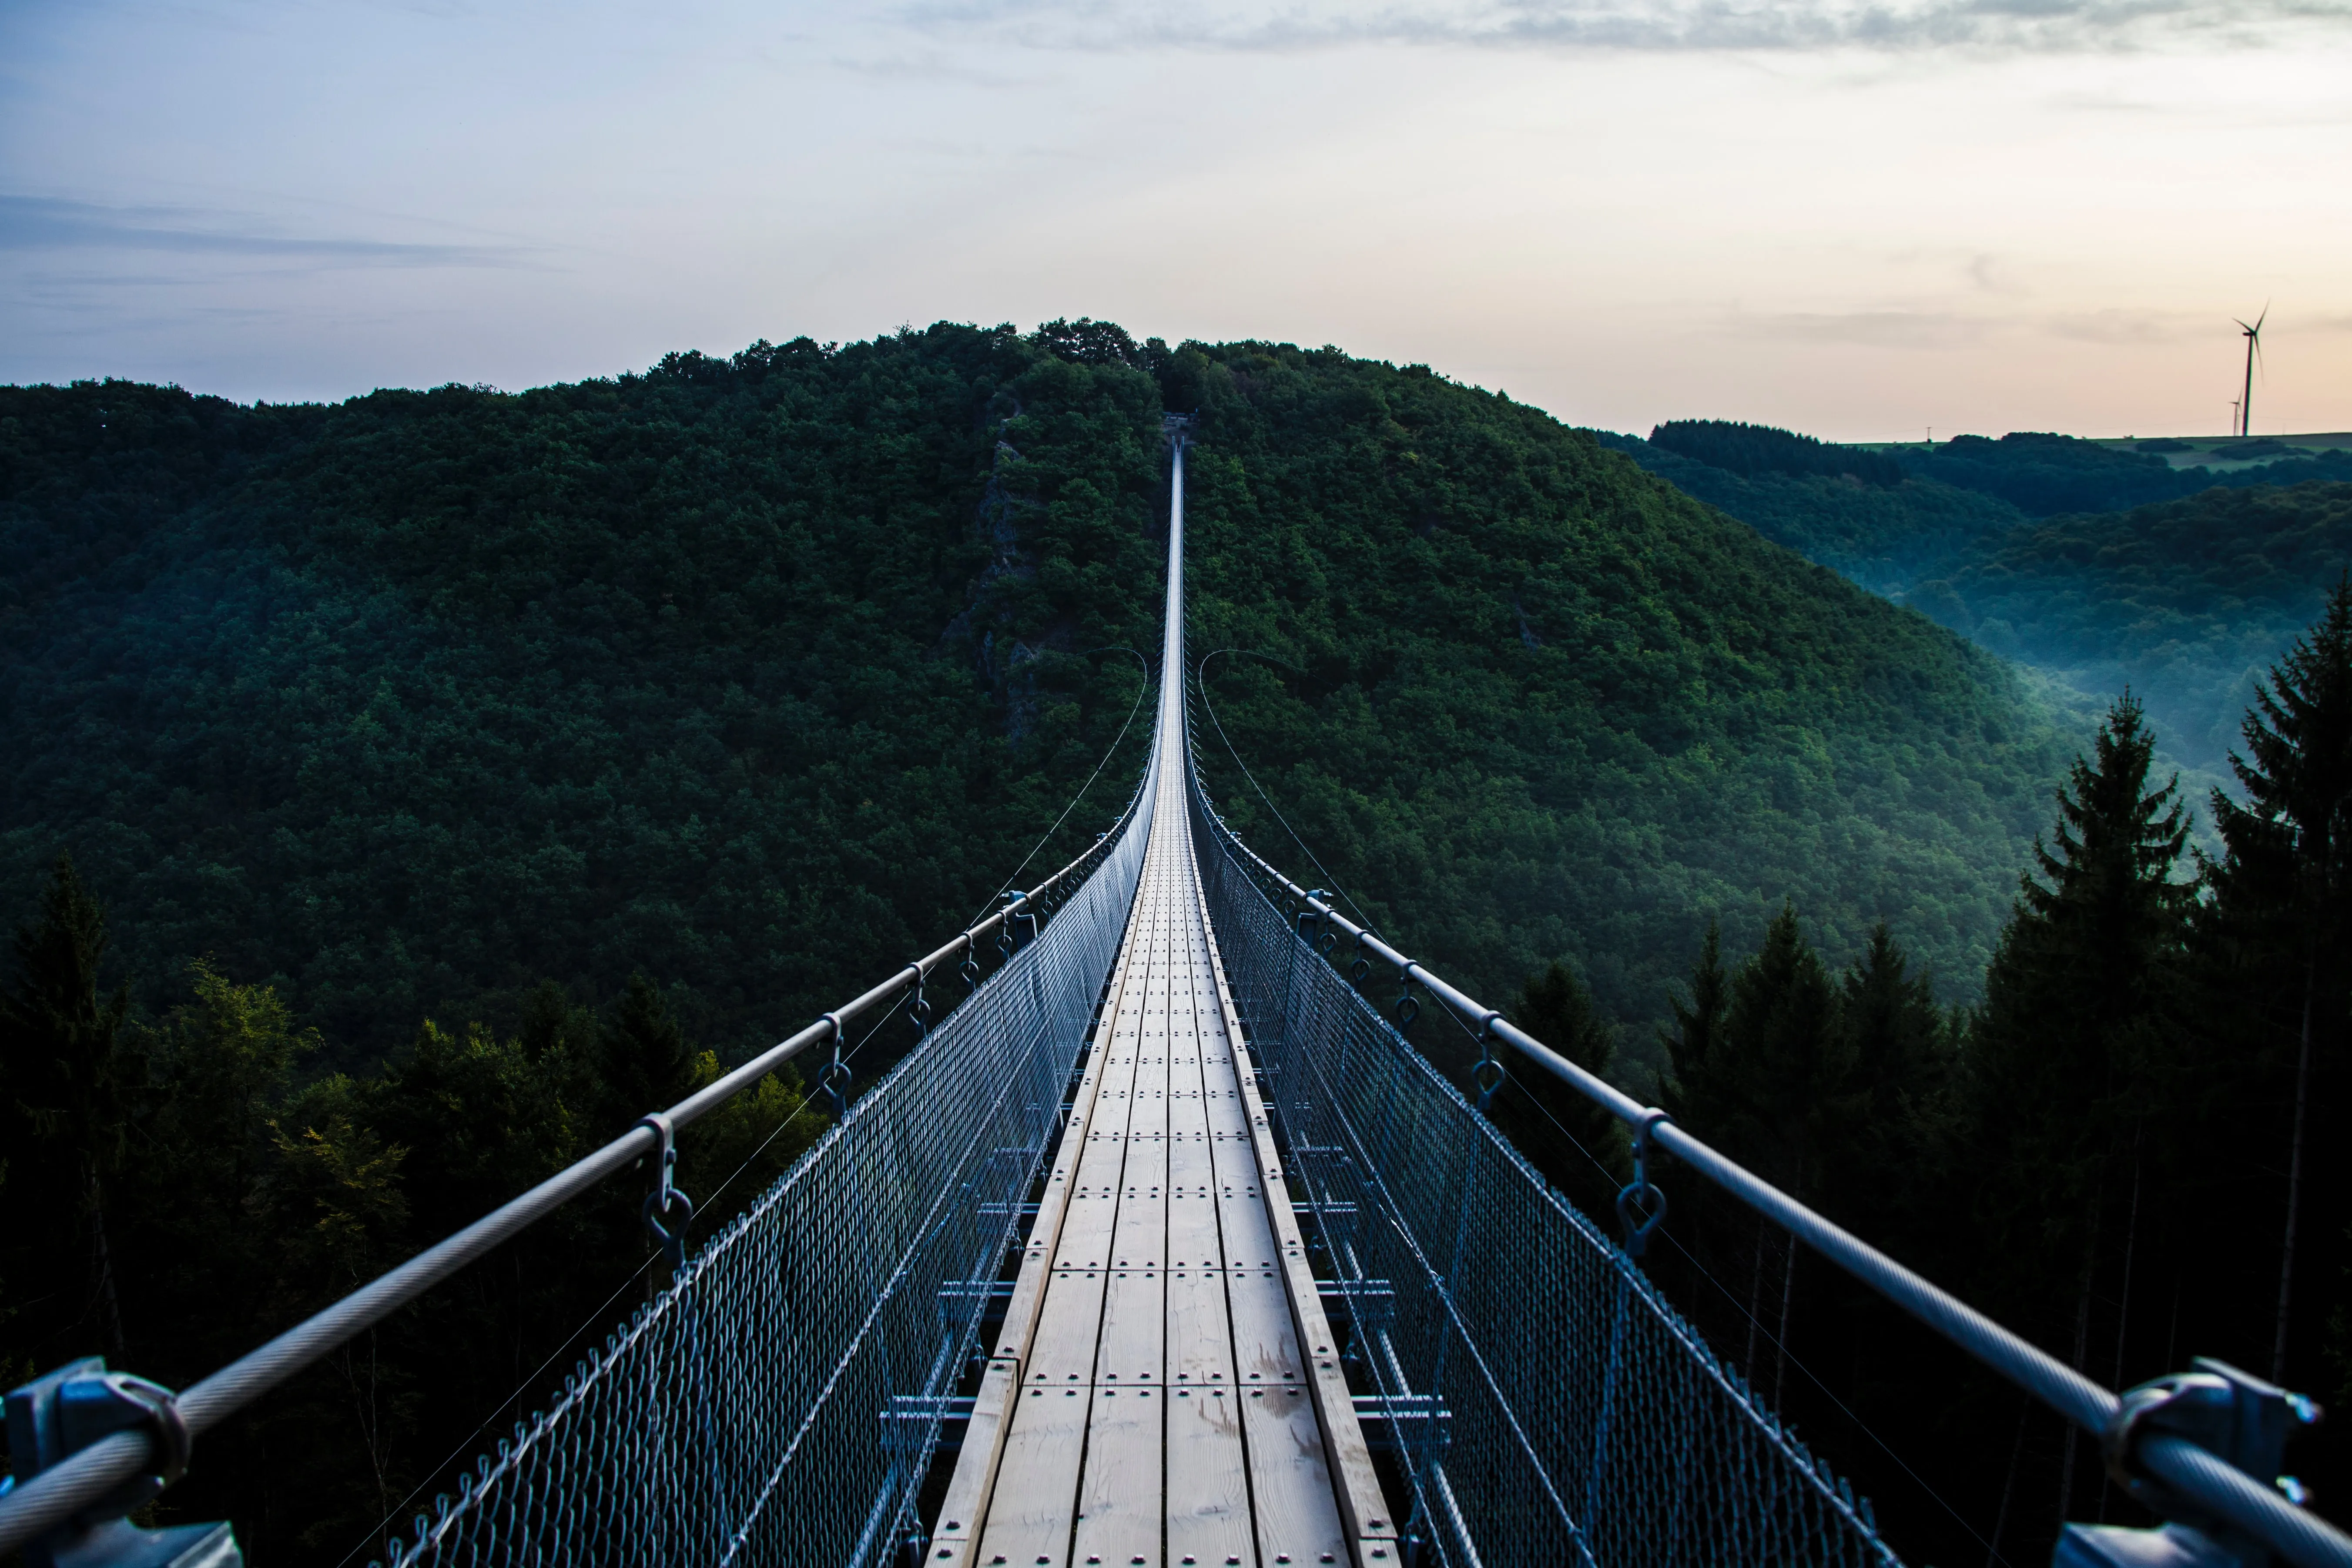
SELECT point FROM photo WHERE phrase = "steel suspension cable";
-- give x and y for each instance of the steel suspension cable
(1200, 683)
(1140, 694)
(2209, 1481)
(709, 1209)
(39, 1504)
(1709, 1275)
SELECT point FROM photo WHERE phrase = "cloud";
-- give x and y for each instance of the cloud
(2009, 25)
(932, 66)
(1871, 328)
(2119, 326)
(48, 223)
(1933, 329)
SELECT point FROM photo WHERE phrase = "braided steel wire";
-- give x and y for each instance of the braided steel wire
(1550, 1407)
(782, 1399)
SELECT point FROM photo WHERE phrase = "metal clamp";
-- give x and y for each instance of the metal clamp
(1642, 1203)
(835, 1080)
(1306, 910)
(666, 1200)
(918, 1008)
(1487, 1074)
(1363, 965)
(1407, 1009)
(970, 967)
(58, 1416)
(2233, 1415)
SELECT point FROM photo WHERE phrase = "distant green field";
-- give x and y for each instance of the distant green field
(2222, 454)
(2228, 453)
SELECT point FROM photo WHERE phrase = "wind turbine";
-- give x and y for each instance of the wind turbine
(2253, 347)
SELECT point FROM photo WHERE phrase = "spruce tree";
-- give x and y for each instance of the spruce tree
(2079, 1016)
(1888, 1163)
(1786, 1065)
(66, 1079)
(1564, 1133)
(2282, 920)
(1783, 1066)
(1698, 1027)
(647, 1062)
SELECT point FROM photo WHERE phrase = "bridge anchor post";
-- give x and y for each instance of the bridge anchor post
(2235, 1416)
(52, 1418)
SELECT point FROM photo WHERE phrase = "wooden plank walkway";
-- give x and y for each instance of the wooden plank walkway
(1164, 1389)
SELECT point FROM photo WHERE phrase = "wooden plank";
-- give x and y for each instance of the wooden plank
(1364, 1511)
(1133, 1346)
(1208, 1510)
(1034, 1502)
(1120, 1502)
(1092, 1213)
(1297, 1516)
(964, 1510)
(1200, 1327)
(1266, 1343)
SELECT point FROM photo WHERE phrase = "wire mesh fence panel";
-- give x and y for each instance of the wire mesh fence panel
(781, 1400)
(1547, 1405)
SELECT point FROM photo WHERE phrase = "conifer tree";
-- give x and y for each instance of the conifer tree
(647, 1062)
(1698, 1025)
(1785, 1065)
(2284, 905)
(2078, 1018)
(67, 1079)
(1901, 1042)
(1779, 1068)
(1562, 1131)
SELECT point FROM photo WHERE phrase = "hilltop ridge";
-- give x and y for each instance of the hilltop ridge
(757, 673)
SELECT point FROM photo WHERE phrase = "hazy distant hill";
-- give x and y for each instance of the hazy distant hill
(1884, 537)
(2186, 601)
(760, 674)
(2044, 474)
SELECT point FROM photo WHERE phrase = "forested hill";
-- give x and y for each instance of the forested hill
(759, 675)
(2186, 601)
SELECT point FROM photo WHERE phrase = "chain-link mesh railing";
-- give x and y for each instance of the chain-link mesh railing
(1546, 1405)
(781, 1401)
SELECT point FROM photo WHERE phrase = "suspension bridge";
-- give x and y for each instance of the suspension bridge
(1164, 1247)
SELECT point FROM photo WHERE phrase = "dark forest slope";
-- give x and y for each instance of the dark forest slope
(755, 675)
(1531, 703)
(2185, 601)
(2188, 602)
(759, 675)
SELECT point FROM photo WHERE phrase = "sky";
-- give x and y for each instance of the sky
(1865, 219)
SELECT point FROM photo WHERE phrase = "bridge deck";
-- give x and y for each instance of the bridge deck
(1165, 1389)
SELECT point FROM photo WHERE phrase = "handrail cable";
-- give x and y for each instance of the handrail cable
(709, 1204)
(1774, 1340)
(2211, 1481)
(1145, 691)
(40, 1503)
(1200, 683)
